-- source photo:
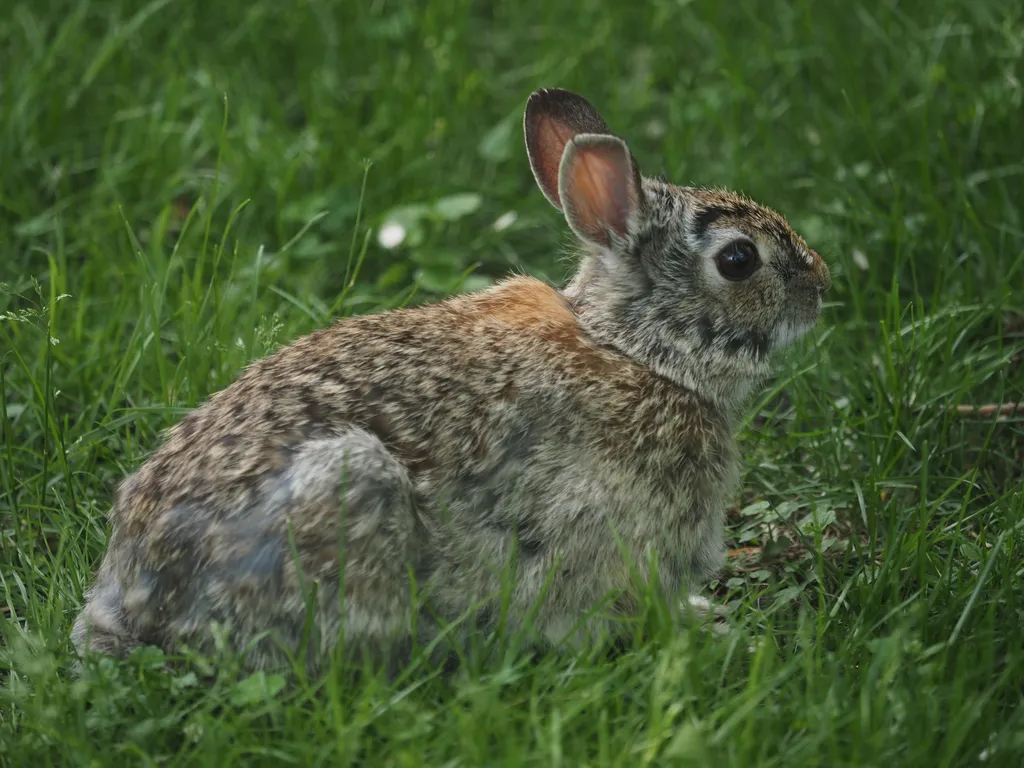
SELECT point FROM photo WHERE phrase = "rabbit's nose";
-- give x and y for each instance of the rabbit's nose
(826, 282)
(821, 273)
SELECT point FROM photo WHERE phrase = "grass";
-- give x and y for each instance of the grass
(187, 186)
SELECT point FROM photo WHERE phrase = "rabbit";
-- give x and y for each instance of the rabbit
(385, 472)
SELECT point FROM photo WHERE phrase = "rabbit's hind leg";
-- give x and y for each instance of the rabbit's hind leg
(349, 499)
(268, 573)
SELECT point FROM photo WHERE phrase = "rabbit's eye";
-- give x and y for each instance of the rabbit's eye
(738, 261)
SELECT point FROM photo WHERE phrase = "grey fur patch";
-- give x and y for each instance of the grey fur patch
(182, 525)
(262, 561)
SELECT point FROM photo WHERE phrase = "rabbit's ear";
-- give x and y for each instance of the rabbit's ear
(553, 117)
(600, 190)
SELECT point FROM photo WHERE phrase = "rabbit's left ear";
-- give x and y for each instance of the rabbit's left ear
(599, 187)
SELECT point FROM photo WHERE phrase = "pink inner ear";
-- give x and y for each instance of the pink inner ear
(550, 138)
(600, 187)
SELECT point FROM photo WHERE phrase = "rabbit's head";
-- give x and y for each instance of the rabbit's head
(698, 284)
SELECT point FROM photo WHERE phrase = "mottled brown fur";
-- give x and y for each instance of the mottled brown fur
(567, 433)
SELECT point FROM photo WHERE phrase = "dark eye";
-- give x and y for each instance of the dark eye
(738, 261)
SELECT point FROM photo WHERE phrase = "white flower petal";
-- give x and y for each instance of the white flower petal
(391, 235)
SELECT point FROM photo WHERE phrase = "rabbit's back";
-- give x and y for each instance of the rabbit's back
(449, 388)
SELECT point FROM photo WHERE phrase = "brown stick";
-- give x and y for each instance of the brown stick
(1006, 409)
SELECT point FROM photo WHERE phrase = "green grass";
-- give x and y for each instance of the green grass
(183, 187)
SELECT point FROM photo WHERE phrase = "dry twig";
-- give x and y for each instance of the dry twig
(1005, 409)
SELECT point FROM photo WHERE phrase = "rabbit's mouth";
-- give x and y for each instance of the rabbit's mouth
(790, 331)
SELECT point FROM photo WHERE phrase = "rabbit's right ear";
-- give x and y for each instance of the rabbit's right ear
(553, 117)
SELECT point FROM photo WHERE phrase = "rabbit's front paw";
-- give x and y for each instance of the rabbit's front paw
(710, 615)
